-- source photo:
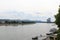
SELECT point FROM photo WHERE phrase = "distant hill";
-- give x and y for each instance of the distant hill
(9, 21)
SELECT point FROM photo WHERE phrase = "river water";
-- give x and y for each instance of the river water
(24, 32)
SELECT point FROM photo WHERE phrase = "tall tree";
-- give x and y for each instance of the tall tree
(57, 21)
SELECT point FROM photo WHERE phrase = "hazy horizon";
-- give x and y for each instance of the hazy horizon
(29, 9)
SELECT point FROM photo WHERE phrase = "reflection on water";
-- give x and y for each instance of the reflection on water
(15, 24)
(24, 32)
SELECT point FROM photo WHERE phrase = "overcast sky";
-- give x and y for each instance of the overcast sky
(28, 9)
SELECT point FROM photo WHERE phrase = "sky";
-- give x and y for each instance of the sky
(29, 9)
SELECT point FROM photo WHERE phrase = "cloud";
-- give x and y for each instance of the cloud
(29, 5)
(15, 15)
(28, 9)
(26, 16)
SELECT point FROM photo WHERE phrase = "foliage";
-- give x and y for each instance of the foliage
(57, 21)
(58, 34)
(58, 18)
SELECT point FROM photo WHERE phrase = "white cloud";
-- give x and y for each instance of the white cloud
(29, 7)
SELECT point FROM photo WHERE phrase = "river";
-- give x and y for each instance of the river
(24, 32)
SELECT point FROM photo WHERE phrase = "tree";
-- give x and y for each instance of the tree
(57, 21)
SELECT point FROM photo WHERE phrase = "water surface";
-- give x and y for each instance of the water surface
(24, 32)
